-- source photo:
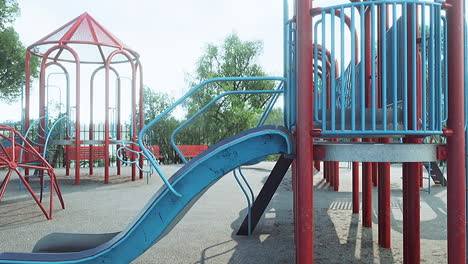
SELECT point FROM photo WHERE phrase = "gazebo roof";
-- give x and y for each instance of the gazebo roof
(91, 41)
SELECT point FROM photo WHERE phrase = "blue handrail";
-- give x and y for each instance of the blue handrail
(178, 102)
(395, 86)
(208, 106)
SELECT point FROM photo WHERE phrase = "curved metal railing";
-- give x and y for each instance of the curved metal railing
(262, 118)
(177, 103)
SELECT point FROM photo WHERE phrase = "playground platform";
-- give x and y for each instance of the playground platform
(207, 233)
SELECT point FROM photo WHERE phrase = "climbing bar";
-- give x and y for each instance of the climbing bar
(350, 102)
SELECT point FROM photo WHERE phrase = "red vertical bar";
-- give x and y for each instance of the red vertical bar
(456, 186)
(134, 123)
(77, 124)
(411, 201)
(119, 124)
(355, 184)
(367, 194)
(142, 120)
(106, 124)
(384, 203)
(91, 126)
(336, 166)
(375, 173)
(305, 186)
(367, 166)
(27, 93)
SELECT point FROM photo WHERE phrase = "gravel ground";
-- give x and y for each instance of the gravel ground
(207, 233)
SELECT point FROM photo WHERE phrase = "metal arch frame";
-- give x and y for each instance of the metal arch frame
(44, 66)
(91, 115)
(106, 125)
(139, 69)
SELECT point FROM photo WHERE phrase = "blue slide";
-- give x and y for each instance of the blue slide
(164, 209)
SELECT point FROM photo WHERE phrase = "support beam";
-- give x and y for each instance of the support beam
(384, 203)
(265, 195)
(367, 194)
(355, 184)
(305, 184)
(456, 185)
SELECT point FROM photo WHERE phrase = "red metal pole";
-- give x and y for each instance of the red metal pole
(106, 123)
(134, 123)
(119, 124)
(27, 93)
(384, 203)
(77, 123)
(91, 125)
(305, 186)
(141, 107)
(411, 201)
(456, 186)
(367, 166)
(355, 184)
(375, 174)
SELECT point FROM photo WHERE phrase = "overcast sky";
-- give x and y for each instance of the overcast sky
(169, 35)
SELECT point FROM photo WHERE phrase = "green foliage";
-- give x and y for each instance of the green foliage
(9, 10)
(231, 114)
(159, 134)
(12, 54)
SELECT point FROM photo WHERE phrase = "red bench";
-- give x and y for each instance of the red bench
(27, 155)
(190, 151)
(98, 152)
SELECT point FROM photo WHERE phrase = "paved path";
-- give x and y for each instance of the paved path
(207, 233)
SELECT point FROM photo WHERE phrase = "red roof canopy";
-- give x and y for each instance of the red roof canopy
(91, 41)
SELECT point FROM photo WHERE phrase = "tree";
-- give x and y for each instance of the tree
(12, 54)
(159, 134)
(231, 114)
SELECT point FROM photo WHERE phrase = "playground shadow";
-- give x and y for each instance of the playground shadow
(339, 235)
(433, 214)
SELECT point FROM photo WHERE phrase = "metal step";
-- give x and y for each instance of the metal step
(436, 174)
(375, 152)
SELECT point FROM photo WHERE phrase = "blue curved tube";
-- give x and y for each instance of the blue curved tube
(208, 106)
(178, 102)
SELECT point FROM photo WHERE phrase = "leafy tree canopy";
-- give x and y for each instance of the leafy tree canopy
(235, 113)
(12, 54)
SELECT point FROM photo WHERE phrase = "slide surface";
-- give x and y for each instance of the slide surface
(164, 209)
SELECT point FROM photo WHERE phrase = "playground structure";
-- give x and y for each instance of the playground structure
(79, 43)
(383, 75)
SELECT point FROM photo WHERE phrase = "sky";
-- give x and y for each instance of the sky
(169, 35)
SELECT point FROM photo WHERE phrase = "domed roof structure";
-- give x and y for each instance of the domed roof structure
(87, 37)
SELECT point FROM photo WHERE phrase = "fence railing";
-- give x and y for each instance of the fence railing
(356, 91)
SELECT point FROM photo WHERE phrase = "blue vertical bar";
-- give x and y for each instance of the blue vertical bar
(286, 66)
(444, 19)
(333, 72)
(423, 66)
(431, 72)
(414, 69)
(294, 74)
(383, 74)
(446, 70)
(395, 67)
(363, 69)
(342, 71)
(438, 71)
(324, 75)
(373, 51)
(405, 67)
(316, 61)
(353, 72)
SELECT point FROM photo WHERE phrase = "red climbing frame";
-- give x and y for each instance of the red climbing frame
(17, 154)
